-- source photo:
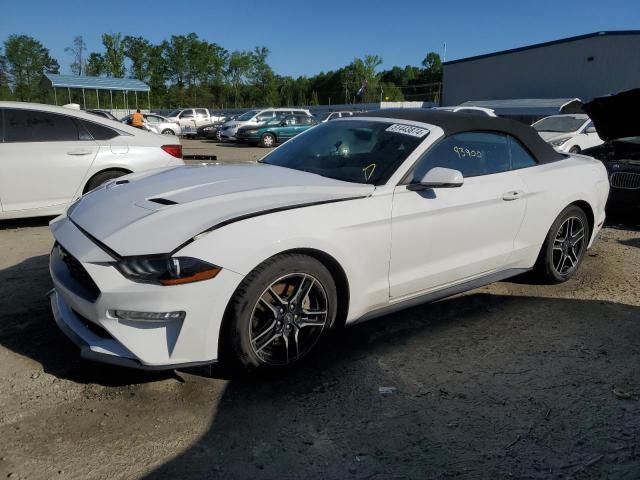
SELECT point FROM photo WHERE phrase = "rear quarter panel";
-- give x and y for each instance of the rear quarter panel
(550, 189)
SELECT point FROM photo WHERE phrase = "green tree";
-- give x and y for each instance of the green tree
(138, 51)
(5, 90)
(95, 65)
(113, 54)
(433, 67)
(26, 59)
(78, 51)
(239, 67)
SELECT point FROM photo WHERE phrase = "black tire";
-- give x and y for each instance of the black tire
(218, 136)
(248, 313)
(168, 131)
(268, 140)
(550, 267)
(575, 149)
(102, 178)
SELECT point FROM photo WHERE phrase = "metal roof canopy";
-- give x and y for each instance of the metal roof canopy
(529, 106)
(96, 83)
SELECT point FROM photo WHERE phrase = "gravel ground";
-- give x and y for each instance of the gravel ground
(513, 380)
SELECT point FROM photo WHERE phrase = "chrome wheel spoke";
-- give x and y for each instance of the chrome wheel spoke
(273, 309)
(268, 342)
(308, 322)
(277, 297)
(288, 305)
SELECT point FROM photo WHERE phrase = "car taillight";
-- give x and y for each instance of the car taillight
(173, 150)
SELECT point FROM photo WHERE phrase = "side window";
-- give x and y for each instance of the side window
(34, 126)
(472, 153)
(99, 132)
(187, 114)
(520, 156)
(265, 116)
(1, 125)
(201, 113)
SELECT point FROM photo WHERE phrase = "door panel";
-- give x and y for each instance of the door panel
(43, 174)
(43, 159)
(443, 236)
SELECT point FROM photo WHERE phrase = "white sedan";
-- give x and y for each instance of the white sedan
(52, 155)
(350, 220)
(570, 133)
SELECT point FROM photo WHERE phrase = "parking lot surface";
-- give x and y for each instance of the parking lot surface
(510, 380)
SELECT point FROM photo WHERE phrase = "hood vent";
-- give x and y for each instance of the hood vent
(163, 201)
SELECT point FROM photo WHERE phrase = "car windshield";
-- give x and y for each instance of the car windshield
(358, 151)
(323, 116)
(559, 124)
(175, 113)
(247, 115)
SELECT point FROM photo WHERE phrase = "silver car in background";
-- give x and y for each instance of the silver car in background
(158, 124)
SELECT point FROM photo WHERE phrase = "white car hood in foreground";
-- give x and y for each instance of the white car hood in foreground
(122, 216)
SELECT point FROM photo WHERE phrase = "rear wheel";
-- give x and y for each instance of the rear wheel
(281, 311)
(268, 140)
(102, 178)
(565, 246)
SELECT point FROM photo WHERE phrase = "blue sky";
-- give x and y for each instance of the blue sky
(306, 37)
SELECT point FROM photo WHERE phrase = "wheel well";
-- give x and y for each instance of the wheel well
(339, 276)
(342, 289)
(124, 171)
(588, 211)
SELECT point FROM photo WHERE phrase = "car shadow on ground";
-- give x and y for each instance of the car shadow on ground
(478, 386)
(25, 223)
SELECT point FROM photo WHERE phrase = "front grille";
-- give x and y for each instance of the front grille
(78, 273)
(626, 180)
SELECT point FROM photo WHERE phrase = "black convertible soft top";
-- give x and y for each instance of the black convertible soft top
(458, 122)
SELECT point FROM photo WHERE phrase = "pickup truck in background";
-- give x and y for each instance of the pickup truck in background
(190, 119)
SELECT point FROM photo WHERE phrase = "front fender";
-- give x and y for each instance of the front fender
(356, 233)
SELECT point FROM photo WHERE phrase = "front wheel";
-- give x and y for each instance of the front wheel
(168, 131)
(280, 312)
(267, 140)
(574, 149)
(565, 246)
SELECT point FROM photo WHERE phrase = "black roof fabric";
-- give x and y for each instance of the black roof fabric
(457, 122)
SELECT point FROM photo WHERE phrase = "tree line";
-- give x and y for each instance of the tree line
(188, 70)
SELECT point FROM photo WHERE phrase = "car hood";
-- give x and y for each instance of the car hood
(157, 211)
(550, 136)
(615, 116)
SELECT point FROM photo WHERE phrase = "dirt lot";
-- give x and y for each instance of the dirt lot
(513, 380)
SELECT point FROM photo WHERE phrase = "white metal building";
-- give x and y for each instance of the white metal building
(585, 67)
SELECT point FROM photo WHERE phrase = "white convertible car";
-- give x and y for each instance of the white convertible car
(350, 220)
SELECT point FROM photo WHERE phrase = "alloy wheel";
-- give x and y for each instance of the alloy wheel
(288, 319)
(568, 246)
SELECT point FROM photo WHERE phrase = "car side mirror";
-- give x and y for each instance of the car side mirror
(591, 129)
(438, 177)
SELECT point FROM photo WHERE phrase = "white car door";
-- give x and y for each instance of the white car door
(445, 236)
(43, 160)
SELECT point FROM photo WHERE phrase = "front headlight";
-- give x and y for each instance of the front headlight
(559, 141)
(166, 270)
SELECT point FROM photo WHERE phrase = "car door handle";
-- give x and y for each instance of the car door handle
(512, 195)
(80, 151)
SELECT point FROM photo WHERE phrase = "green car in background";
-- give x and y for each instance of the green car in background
(275, 131)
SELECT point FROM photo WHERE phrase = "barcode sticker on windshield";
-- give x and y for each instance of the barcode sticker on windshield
(408, 130)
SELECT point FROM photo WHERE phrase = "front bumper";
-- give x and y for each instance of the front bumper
(86, 313)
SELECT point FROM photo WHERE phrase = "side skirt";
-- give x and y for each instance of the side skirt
(440, 294)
